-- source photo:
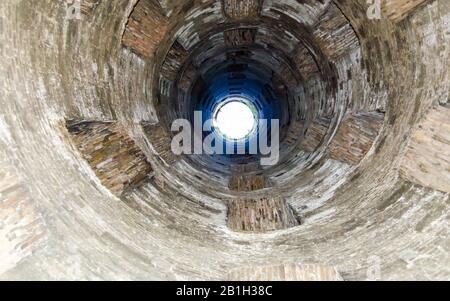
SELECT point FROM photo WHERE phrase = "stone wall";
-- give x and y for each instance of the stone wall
(22, 228)
(54, 69)
(88, 6)
(113, 155)
(174, 59)
(241, 9)
(247, 183)
(305, 62)
(161, 142)
(397, 10)
(315, 134)
(240, 37)
(260, 215)
(427, 158)
(146, 28)
(355, 137)
(335, 35)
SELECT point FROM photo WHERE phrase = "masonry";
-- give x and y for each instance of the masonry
(89, 187)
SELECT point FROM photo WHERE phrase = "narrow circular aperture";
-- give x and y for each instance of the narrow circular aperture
(235, 119)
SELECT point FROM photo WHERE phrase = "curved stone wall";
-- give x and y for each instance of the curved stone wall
(376, 102)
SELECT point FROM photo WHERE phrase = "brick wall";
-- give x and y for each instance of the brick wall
(146, 28)
(260, 215)
(355, 137)
(161, 142)
(112, 154)
(427, 159)
(22, 228)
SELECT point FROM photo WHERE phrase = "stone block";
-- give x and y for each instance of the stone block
(241, 9)
(305, 62)
(335, 35)
(427, 159)
(240, 37)
(315, 134)
(260, 215)
(161, 142)
(355, 137)
(247, 182)
(115, 158)
(173, 61)
(145, 29)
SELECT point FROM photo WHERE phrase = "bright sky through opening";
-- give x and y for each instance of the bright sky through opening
(235, 120)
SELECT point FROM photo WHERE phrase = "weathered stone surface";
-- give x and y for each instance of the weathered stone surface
(146, 28)
(295, 133)
(305, 62)
(315, 134)
(285, 272)
(397, 10)
(174, 60)
(245, 168)
(188, 77)
(355, 137)
(161, 142)
(334, 34)
(277, 38)
(112, 154)
(241, 9)
(240, 37)
(22, 229)
(288, 77)
(304, 12)
(247, 182)
(261, 215)
(169, 6)
(88, 6)
(353, 216)
(427, 159)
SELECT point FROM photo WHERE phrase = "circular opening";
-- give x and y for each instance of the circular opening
(235, 119)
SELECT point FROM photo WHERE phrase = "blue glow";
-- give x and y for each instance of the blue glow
(242, 80)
